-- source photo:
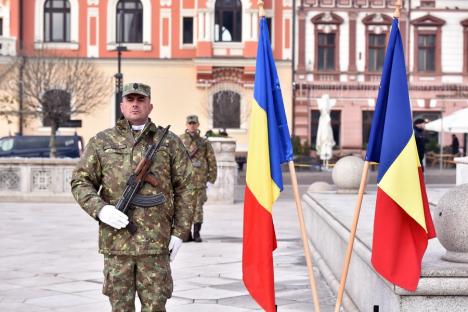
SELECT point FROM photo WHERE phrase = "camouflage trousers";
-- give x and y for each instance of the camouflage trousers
(200, 195)
(148, 275)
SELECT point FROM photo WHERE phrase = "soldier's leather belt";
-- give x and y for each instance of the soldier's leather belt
(149, 201)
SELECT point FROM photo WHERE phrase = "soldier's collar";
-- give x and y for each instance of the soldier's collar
(138, 128)
(124, 125)
(193, 135)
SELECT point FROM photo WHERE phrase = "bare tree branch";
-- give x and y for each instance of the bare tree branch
(55, 87)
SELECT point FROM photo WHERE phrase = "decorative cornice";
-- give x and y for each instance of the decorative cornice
(327, 18)
(224, 74)
(428, 20)
(377, 19)
(457, 90)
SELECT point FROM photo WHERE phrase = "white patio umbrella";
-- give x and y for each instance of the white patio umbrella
(456, 122)
(325, 141)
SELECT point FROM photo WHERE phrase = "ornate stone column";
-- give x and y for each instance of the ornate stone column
(223, 190)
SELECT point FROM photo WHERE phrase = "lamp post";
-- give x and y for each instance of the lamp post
(118, 81)
(293, 68)
(21, 70)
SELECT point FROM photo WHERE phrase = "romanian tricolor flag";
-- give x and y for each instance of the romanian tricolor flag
(269, 146)
(403, 223)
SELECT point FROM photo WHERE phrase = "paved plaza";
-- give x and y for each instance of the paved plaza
(49, 261)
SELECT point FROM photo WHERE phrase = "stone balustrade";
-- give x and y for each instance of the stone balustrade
(34, 179)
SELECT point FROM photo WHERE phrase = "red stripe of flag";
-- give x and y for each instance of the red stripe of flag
(258, 246)
(399, 241)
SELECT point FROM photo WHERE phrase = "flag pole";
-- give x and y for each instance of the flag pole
(313, 286)
(352, 235)
(305, 241)
(357, 210)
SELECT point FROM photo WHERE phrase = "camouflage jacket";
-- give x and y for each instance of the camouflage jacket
(102, 173)
(203, 159)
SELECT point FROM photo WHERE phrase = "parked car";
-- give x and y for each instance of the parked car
(38, 146)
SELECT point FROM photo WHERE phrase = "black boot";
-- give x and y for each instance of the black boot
(196, 232)
(188, 237)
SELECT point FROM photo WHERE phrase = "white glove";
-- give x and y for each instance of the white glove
(113, 217)
(174, 246)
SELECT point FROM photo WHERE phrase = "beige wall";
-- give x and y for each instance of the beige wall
(174, 95)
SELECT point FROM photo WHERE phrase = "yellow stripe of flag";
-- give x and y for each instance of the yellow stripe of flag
(401, 183)
(258, 177)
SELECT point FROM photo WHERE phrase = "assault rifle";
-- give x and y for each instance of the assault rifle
(136, 181)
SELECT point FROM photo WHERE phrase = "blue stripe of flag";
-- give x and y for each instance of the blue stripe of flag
(391, 126)
(267, 93)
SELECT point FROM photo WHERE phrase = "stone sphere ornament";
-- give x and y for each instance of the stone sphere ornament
(347, 174)
(320, 187)
(451, 223)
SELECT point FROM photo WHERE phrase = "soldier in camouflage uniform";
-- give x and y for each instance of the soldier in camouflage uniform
(204, 170)
(136, 263)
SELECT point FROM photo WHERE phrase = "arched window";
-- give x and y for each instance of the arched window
(228, 20)
(129, 21)
(226, 110)
(57, 21)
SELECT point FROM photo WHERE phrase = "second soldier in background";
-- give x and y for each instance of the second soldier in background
(204, 170)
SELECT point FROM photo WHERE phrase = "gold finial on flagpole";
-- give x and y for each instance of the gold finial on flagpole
(397, 12)
(261, 11)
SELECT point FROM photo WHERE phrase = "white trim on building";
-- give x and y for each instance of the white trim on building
(165, 50)
(287, 17)
(93, 49)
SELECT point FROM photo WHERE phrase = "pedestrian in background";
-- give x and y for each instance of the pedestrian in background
(204, 170)
(418, 126)
(136, 263)
(455, 145)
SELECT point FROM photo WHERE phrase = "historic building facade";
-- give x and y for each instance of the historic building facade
(341, 51)
(198, 56)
